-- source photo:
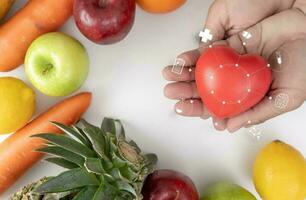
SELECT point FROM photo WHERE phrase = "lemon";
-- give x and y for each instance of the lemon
(280, 173)
(17, 104)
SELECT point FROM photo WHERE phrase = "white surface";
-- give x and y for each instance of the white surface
(126, 82)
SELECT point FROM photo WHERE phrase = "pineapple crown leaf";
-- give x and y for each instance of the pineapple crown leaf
(62, 162)
(67, 143)
(60, 152)
(130, 153)
(133, 144)
(97, 138)
(86, 193)
(94, 165)
(69, 180)
(81, 132)
(109, 125)
(124, 186)
(150, 159)
(114, 127)
(73, 132)
(101, 162)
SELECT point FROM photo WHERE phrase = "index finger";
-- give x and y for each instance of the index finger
(190, 59)
(214, 29)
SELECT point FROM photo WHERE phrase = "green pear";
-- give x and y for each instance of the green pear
(227, 191)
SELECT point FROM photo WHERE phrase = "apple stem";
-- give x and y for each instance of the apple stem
(102, 3)
(48, 68)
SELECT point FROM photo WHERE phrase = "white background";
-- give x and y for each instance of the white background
(126, 82)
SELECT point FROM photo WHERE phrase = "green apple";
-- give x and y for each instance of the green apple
(227, 191)
(57, 64)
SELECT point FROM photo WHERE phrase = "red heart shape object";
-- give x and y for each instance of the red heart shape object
(230, 83)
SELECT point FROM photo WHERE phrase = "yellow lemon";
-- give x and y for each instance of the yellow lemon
(5, 5)
(17, 104)
(280, 173)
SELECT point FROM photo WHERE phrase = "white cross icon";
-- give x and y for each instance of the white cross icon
(247, 35)
(206, 35)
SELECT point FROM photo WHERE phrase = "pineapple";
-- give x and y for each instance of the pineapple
(101, 165)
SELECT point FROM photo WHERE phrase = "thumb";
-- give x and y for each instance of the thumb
(226, 18)
(215, 24)
(270, 34)
(278, 103)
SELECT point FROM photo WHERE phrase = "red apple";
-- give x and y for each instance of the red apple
(169, 185)
(104, 21)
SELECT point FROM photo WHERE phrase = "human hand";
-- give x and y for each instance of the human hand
(278, 32)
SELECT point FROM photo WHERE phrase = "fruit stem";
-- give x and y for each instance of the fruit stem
(48, 68)
(102, 3)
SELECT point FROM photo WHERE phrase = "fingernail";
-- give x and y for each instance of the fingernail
(179, 111)
(164, 72)
(233, 129)
(234, 125)
(178, 108)
(167, 91)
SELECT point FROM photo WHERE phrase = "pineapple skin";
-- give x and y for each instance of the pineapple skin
(27, 193)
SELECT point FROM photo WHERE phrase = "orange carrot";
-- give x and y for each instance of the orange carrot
(34, 19)
(17, 153)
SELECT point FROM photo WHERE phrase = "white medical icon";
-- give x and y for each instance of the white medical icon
(178, 66)
(255, 132)
(206, 35)
(281, 101)
(247, 35)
